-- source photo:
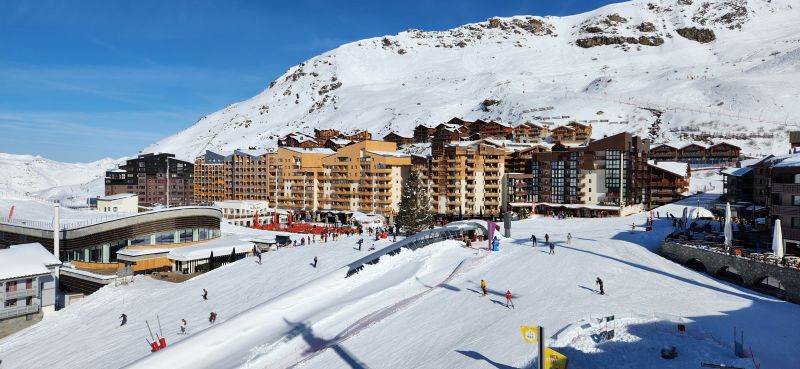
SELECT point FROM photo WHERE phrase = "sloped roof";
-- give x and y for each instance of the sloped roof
(25, 260)
(671, 166)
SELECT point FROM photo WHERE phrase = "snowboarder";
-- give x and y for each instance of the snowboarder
(315, 261)
(599, 283)
(546, 238)
(533, 240)
(483, 286)
(569, 238)
(552, 248)
(212, 317)
(205, 294)
(509, 303)
(124, 319)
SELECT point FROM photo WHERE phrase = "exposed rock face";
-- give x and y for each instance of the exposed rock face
(697, 34)
(530, 24)
(618, 40)
(646, 27)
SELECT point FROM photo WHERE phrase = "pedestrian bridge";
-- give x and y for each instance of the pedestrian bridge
(452, 231)
(765, 277)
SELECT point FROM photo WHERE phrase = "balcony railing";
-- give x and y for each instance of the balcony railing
(22, 293)
(17, 311)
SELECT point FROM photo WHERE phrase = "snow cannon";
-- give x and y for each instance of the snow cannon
(154, 346)
(162, 343)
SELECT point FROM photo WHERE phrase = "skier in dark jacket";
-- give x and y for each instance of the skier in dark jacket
(124, 319)
(258, 253)
(546, 238)
(205, 294)
(533, 239)
(599, 283)
(360, 241)
(212, 317)
(315, 261)
(552, 248)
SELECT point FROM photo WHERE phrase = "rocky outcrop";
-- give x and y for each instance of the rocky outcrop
(700, 35)
(646, 27)
(529, 24)
(618, 40)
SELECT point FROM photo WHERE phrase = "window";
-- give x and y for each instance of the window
(29, 283)
(797, 178)
(796, 200)
(11, 286)
(795, 224)
(11, 302)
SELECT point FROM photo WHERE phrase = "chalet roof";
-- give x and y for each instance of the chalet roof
(395, 134)
(574, 123)
(736, 172)
(673, 167)
(310, 150)
(724, 144)
(340, 141)
(25, 260)
(563, 127)
(300, 137)
(394, 154)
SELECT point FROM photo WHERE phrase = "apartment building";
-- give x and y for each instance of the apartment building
(155, 178)
(398, 139)
(697, 153)
(491, 129)
(667, 181)
(465, 179)
(246, 175)
(784, 199)
(209, 178)
(27, 280)
(530, 132)
(604, 177)
(366, 177)
(295, 174)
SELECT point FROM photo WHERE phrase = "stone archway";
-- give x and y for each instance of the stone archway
(730, 274)
(696, 265)
(771, 286)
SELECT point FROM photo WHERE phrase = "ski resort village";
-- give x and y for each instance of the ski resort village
(603, 189)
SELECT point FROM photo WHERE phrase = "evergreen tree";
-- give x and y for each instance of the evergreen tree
(415, 206)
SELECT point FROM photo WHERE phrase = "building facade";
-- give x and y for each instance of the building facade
(27, 280)
(209, 178)
(667, 182)
(158, 179)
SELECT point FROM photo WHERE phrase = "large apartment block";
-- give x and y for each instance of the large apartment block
(209, 178)
(465, 179)
(294, 178)
(604, 177)
(246, 175)
(149, 176)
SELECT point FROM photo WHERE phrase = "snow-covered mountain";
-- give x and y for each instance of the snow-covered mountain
(668, 69)
(35, 176)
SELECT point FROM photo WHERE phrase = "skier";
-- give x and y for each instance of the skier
(533, 240)
(315, 261)
(509, 303)
(258, 254)
(483, 286)
(599, 283)
(183, 326)
(552, 248)
(205, 294)
(633, 226)
(569, 238)
(546, 238)
(372, 247)
(212, 317)
(360, 241)
(124, 319)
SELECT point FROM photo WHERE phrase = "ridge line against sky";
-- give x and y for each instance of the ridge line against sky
(86, 80)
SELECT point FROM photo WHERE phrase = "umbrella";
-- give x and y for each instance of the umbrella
(728, 230)
(777, 240)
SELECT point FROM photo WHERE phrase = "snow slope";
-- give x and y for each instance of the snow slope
(35, 176)
(422, 309)
(741, 87)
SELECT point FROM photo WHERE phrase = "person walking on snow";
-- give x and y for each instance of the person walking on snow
(569, 238)
(509, 303)
(483, 286)
(258, 254)
(546, 238)
(533, 240)
(212, 317)
(315, 261)
(205, 294)
(633, 226)
(124, 319)
(552, 248)
(599, 283)
(360, 241)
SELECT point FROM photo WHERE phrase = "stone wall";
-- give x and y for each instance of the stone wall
(752, 271)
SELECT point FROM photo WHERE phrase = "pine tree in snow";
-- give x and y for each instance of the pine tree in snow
(415, 206)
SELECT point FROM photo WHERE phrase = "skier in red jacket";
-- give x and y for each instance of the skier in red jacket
(509, 303)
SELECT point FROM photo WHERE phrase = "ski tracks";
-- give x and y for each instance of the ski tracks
(383, 313)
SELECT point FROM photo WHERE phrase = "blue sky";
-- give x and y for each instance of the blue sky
(83, 80)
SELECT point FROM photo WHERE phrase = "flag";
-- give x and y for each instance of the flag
(11, 213)
(554, 359)
(530, 333)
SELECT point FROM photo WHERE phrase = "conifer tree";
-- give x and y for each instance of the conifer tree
(414, 214)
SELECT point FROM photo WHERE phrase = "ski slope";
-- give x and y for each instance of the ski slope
(422, 309)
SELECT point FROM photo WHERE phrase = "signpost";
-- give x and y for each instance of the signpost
(547, 358)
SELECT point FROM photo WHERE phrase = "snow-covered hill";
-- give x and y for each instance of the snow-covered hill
(668, 69)
(423, 309)
(35, 176)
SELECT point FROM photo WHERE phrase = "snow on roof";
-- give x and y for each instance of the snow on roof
(252, 152)
(25, 260)
(118, 170)
(579, 206)
(116, 197)
(310, 150)
(340, 141)
(396, 154)
(671, 166)
(736, 172)
(791, 160)
(140, 252)
(220, 246)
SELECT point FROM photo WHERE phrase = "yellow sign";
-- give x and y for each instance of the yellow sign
(554, 360)
(530, 333)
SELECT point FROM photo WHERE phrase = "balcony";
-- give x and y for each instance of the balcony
(22, 293)
(786, 187)
(785, 210)
(18, 311)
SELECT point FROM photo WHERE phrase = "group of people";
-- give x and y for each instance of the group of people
(549, 244)
(509, 296)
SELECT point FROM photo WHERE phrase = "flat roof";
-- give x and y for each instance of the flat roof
(25, 260)
(141, 252)
(116, 197)
(220, 247)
